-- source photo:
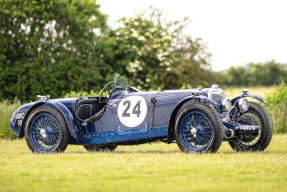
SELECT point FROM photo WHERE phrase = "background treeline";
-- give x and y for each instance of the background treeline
(58, 46)
(256, 74)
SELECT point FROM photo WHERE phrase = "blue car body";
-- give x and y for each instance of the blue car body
(157, 122)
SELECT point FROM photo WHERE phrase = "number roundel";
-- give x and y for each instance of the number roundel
(132, 111)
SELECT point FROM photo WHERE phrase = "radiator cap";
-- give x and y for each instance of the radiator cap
(214, 86)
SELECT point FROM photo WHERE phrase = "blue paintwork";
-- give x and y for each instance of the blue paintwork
(109, 129)
(229, 125)
(203, 136)
(248, 95)
(26, 109)
(65, 106)
(121, 135)
(51, 140)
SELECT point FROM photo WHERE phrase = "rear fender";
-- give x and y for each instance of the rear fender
(248, 95)
(58, 106)
(181, 103)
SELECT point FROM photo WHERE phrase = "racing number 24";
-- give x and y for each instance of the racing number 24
(136, 109)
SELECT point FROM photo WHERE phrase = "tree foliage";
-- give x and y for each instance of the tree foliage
(58, 46)
(256, 74)
(157, 54)
(50, 47)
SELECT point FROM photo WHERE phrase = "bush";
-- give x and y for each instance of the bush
(278, 108)
(74, 94)
(6, 111)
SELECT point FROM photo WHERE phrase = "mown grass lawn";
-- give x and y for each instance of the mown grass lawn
(155, 167)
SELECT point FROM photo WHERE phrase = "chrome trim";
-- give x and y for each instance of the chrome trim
(41, 97)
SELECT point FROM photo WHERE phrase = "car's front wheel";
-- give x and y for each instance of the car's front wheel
(46, 131)
(256, 115)
(198, 129)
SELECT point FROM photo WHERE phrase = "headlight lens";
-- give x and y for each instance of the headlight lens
(243, 104)
(226, 104)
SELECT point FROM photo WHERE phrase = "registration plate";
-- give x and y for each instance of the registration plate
(19, 118)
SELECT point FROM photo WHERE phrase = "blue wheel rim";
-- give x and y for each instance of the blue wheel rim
(196, 131)
(45, 132)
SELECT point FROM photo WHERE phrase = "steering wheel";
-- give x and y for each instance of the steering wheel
(110, 90)
(111, 87)
(119, 83)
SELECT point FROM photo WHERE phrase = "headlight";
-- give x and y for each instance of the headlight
(243, 104)
(226, 104)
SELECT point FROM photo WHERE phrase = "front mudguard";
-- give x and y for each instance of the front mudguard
(58, 106)
(179, 105)
(248, 95)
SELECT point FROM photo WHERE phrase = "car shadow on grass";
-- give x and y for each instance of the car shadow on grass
(124, 152)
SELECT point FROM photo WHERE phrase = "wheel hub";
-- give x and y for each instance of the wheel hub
(43, 133)
(193, 130)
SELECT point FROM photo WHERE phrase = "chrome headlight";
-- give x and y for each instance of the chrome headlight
(243, 104)
(226, 104)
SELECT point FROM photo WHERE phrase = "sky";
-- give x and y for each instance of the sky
(235, 32)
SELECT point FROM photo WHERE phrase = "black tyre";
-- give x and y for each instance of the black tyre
(46, 131)
(256, 115)
(198, 129)
(100, 148)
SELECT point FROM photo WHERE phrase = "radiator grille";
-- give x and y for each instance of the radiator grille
(216, 97)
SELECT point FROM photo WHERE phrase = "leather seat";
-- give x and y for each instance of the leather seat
(85, 111)
(85, 108)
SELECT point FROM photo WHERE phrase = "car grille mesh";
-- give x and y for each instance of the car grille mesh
(216, 97)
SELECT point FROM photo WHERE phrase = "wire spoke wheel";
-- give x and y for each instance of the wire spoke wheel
(45, 132)
(256, 115)
(196, 130)
(250, 118)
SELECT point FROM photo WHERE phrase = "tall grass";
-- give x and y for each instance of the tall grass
(6, 111)
(278, 108)
(278, 114)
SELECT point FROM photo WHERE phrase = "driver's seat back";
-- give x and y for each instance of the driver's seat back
(85, 111)
(87, 107)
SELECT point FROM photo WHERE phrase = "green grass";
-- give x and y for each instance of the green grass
(155, 167)
(6, 111)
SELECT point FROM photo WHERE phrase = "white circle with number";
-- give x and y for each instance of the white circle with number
(132, 111)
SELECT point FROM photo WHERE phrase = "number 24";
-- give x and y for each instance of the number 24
(136, 109)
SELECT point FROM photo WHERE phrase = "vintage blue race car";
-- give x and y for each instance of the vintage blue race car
(198, 120)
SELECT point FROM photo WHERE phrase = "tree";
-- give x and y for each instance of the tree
(156, 54)
(51, 47)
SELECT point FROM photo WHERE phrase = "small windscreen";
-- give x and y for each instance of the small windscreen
(121, 81)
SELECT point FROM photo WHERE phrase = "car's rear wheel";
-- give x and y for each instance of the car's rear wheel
(100, 148)
(198, 129)
(256, 115)
(46, 131)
